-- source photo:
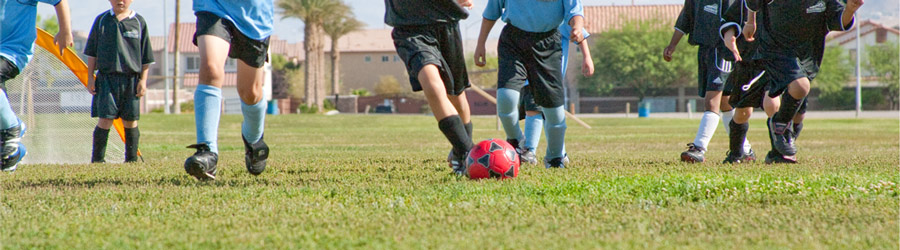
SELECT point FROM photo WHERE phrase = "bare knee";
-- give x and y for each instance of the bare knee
(250, 94)
(532, 113)
(724, 105)
(104, 123)
(212, 74)
(129, 124)
(742, 115)
(711, 100)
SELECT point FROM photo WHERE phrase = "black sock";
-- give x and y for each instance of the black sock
(469, 129)
(455, 131)
(132, 137)
(797, 127)
(789, 108)
(771, 140)
(99, 151)
(736, 136)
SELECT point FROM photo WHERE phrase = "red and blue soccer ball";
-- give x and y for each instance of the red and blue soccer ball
(492, 158)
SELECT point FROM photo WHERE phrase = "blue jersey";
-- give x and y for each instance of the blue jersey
(254, 18)
(17, 30)
(533, 16)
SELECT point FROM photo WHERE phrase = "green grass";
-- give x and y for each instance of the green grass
(382, 182)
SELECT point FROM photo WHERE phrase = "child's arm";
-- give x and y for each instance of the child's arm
(142, 84)
(683, 25)
(63, 39)
(587, 65)
(577, 24)
(750, 27)
(731, 43)
(91, 66)
(847, 13)
(486, 26)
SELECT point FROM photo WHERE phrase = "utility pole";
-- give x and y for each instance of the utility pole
(858, 73)
(165, 66)
(176, 109)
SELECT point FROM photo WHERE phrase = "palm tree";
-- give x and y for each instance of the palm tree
(313, 13)
(336, 28)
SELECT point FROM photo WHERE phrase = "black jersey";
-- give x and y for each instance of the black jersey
(734, 17)
(422, 12)
(796, 28)
(119, 46)
(700, 19)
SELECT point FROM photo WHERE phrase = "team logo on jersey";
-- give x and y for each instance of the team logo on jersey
(817, 8)
(712, 8)
(132, 34)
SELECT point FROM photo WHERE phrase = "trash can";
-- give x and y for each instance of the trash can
(272, 107)
(644, 109)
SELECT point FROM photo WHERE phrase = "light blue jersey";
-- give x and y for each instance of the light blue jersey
(533, 16)
(17, 30)
(254, 18)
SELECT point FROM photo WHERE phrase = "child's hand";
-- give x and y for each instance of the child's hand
(63, 40)
(576, 36)
(667, 53)
(587, 66)
(465, 3)
(749, 31)
(141, 89)
(854, 4)
(731, 44)
(91, 87)
(480, 59)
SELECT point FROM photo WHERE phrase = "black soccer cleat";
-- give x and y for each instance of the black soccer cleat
(782, 139)
(558, 162)
(255, 156)
(13, 150)
(457, 162)
(740, 157)
(528, 156)
(202, 165)
(515, 143)
(693, 154)
(777, 158)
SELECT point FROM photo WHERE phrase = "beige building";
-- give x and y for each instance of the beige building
(871, 33)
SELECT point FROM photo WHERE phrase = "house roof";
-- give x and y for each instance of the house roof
(157, 42)
(599, 19)
(866, 27)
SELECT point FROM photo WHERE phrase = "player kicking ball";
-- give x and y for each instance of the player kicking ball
(701, 20)
(240, 30)
(17, 35)
(119, 48)
(426, 35)
(530, 49)
(791, 46)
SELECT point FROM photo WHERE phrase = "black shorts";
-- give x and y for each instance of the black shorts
(526, 103)
(115, 97)
(746, 84)
(252, 52)
(436, 44)
(712, 70)
(8, 70)
(782, 70)
(536, 57)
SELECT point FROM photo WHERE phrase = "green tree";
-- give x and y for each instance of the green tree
(49, 24)
(313, 13)
(883, 61)
(486, 76)
(834, 73)
(631, 57)
(336, 28)
(388, 86)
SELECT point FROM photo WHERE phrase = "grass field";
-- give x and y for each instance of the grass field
(382, 182)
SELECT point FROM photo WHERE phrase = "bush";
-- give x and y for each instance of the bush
(187, 107)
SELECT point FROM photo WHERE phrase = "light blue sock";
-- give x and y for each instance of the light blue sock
(207, 110)
(533, 126)
(555, 125)
(8, 118)
(254, 120)
(508, 111)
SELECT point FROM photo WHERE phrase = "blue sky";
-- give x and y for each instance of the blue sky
(370, 12)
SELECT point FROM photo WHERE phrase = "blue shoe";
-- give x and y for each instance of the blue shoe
(13, 149)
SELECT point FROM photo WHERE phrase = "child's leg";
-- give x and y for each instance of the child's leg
(449, 121)
(791, 102)
(737, 132)
(508, 112)
(461, 103)
(132, 138)
(101, 136)
(798, 118)
(710, 119)
(250, 81)
(728, 114)
(208, 95)
(534, 124)
(8, 118)
(555, 124)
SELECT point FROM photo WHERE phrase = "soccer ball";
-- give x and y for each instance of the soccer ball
(492, 158)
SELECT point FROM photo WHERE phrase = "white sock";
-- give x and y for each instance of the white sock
(707, 128)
